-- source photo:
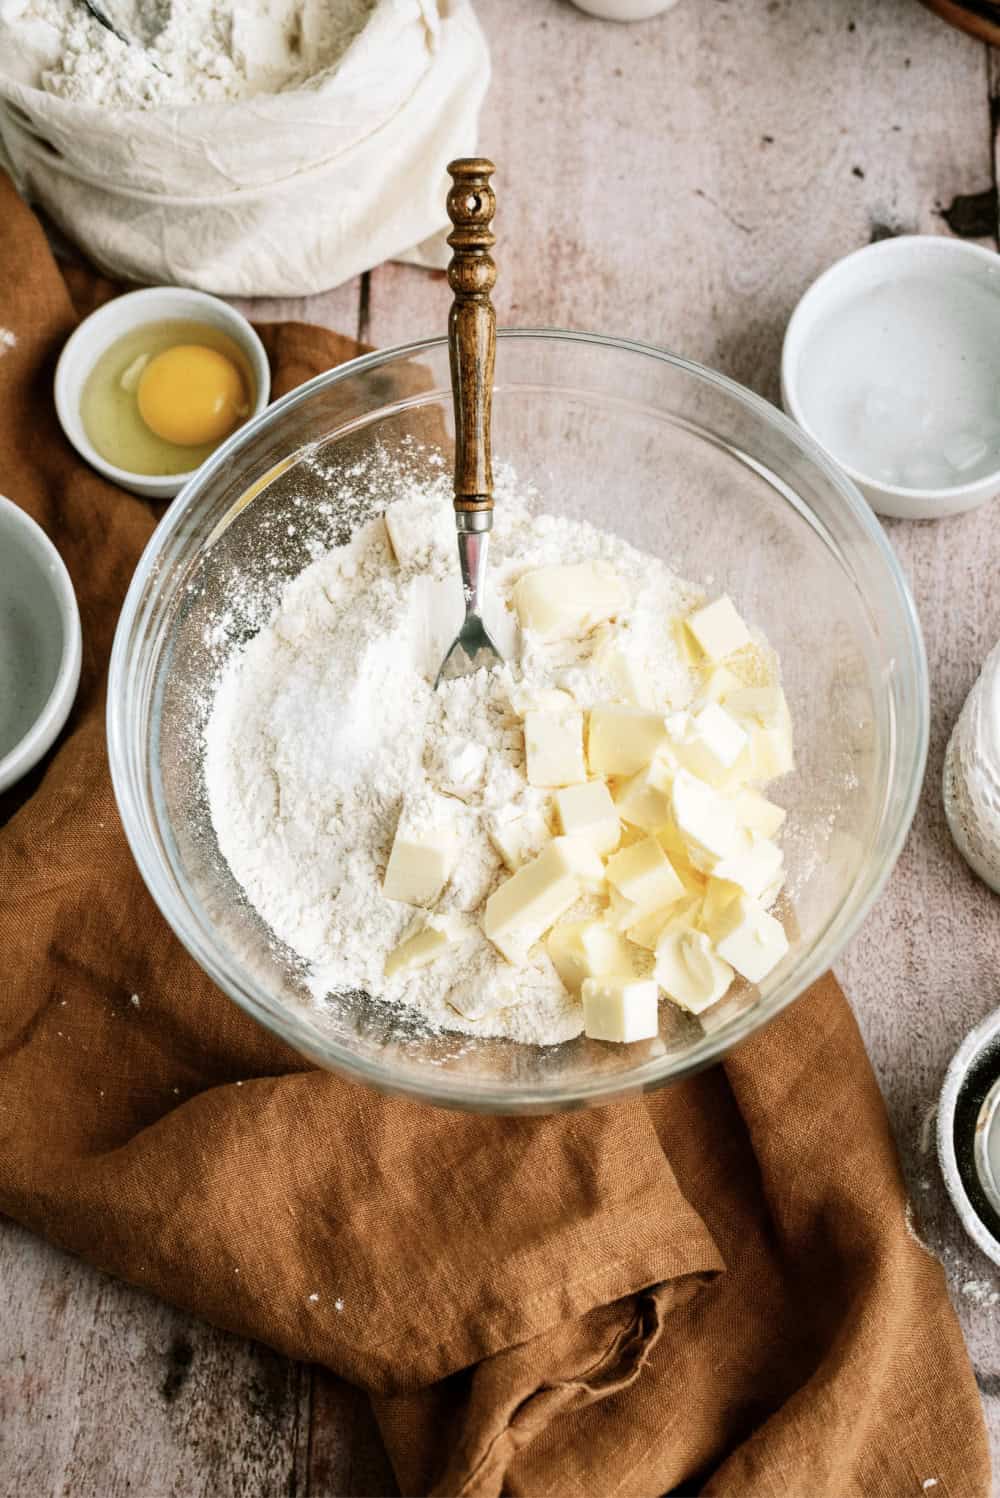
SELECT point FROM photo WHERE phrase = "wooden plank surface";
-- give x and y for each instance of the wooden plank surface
(680, 182)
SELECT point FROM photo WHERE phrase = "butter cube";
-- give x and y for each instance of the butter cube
(519, 837)
(583, 861)
(721, 684)
(754, 864)
(719, 895)
(718, 629)
(425, 943)
(688, 970)
(564, 603)
(647, 930)
(750, 940)
(708, 742)
(622, 739)
(644, 798)
(704, 819)
(620, 1009)
(621, 913)
(423, 852)
(763, 711)
(588, 811)
(757, 814)
(676, 849)
(587, 949)
(644, 875)
(523, 908)
(553, 745)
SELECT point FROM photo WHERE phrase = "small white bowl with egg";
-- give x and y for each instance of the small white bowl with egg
(40, 643)
(215, 376)
(891, 361)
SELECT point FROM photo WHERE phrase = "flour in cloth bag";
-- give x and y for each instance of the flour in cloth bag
(196, 50)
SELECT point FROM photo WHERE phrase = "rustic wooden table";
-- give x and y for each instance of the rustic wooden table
(679, 181)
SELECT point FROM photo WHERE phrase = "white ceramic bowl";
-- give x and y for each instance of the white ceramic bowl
(930, 256)
(40, 645)
(985, 1037)
(105, 326)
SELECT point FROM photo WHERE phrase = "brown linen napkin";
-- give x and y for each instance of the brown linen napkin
(711, 1290)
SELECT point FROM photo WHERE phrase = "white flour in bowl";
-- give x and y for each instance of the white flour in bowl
(327, 720)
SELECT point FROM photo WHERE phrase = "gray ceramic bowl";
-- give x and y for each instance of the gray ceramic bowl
(40, 645)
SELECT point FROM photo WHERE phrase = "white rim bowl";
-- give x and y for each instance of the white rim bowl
(24, 539)
(968, 1053)
(930, 254)
(120, 316)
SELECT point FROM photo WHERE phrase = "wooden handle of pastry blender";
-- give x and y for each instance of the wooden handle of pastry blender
(472, 336)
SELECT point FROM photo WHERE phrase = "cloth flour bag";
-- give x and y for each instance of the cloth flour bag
(278, 194)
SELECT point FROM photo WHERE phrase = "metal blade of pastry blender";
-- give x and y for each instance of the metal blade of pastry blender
(472, 333)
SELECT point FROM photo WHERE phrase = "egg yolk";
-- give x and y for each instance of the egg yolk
(190, 394)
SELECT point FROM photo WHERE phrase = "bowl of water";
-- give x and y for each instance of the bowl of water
(891, 361)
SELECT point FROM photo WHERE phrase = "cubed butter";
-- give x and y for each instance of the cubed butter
(718, 629)
(620, 1009)
(424, 943)
(676, 849)
(621, 740)
(553, 746)
(564, 603)
(521, 910)
(587, 949)
(754, 864)
(584, 862)
(707, 742)
(750, 939)
(621, 913)
(517, 837)
(704, 819)
(643, 799)
(688, 969)
(720, 684)
(719, 895)
(763, 712)
(644, 875)
(757, 814)
(647, 930)
(588, 811)
(423, 853)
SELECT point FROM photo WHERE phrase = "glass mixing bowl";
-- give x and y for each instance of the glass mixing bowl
(680, 462)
